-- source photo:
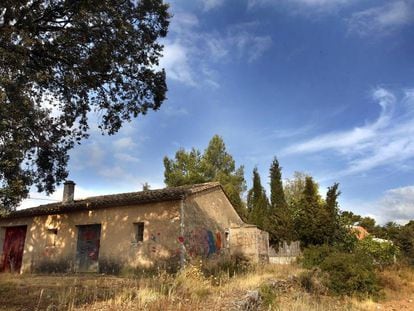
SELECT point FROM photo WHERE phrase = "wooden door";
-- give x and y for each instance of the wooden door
(87, 252)
(13, 248)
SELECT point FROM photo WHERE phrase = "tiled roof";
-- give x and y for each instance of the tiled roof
(121, 199)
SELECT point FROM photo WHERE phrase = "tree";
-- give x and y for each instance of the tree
(215, 164)
(61, 59)
(309, 222)
(294, 187)
(219, 165)
(257, 203)
(405, 241)
(368, 224)
(279, 223)
(185, 169)
(332, 226)
(349, 219)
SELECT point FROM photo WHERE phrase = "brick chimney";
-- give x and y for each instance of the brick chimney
(68, 191)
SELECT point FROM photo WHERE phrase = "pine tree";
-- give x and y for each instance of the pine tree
(215, 164)
(257, 202)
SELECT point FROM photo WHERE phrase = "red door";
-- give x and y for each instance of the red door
(13, 248)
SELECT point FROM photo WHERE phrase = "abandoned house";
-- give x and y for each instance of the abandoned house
(145, 229)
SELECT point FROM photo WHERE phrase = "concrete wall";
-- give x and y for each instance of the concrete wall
(117, 245)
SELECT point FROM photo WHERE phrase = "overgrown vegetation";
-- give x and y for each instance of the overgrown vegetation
(279, 287)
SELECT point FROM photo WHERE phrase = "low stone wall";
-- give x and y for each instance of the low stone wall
(286, 254)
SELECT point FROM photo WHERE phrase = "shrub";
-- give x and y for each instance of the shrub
(381, 252)
(228, 265)
(110, 266)
(53, 266)
(313, 281)
(350, 274)
(268, 296)
(313, 256)
(343, 273)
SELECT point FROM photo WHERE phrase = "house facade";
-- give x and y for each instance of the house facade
(138, 230)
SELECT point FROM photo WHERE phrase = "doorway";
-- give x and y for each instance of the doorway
(87, 250)
(13, 248)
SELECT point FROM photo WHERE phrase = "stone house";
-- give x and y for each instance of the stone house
(166, 227)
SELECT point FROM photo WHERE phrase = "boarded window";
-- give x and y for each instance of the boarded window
(139, 231)
(51, 236)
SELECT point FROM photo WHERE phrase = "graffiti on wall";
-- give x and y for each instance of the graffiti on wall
(201, 242)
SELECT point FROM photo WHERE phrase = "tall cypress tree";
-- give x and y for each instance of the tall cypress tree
(332, 226)
(280, 221)
(257, 202)
(277, 195)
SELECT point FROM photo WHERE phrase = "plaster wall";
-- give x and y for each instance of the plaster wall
(118, 245)
(250, 242)
(207, 217)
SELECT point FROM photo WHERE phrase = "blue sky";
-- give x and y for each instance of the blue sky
(327, 86)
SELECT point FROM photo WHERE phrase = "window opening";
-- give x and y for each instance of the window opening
(139, 231)
(51, 237)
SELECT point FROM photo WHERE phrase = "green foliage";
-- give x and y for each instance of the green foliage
(215, 164)
(350, 274)
(314, 255)
(293, 188)
(381, 253)
(332, 224)
(185, 169)
(349, 219)
(257, 203)
(405, 241)
(73, 57)
(344, 273)
(279, 222)
(368, 224)
(268, 296)
(311, 217)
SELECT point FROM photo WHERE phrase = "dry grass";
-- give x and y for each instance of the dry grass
(190, 290)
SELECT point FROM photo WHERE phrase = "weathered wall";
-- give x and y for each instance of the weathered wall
(207, 217)
(117, 244)
(250, 242)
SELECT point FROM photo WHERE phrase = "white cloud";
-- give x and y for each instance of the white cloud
(190, 54)
(124, 143)
(398, 204)
(211, 4)
(382, 20)
(303, 6)
(176, 63)
(183, 21)
(125, 157)
(175, 111)
(237, 43)
(389, 140)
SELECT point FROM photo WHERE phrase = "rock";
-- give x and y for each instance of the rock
(250, 302)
